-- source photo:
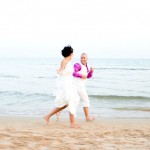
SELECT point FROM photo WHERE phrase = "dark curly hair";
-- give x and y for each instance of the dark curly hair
(67, 51)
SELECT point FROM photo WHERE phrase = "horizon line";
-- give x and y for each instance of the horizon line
(61, 57)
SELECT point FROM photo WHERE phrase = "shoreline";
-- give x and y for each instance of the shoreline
(22, 133)
(66, 118)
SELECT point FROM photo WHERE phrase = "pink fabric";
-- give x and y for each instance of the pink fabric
(77, 67)
(90, 74)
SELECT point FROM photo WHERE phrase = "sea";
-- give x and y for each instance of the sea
(119, 88)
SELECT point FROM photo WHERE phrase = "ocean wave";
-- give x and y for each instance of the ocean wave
(39, 95)
(8, 76)
(10, 93)
(133, 109)
(112, 68)
(99, 97)
(117, 97)
(50, 77)
(16, 93)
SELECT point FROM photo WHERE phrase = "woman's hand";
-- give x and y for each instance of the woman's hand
(91, 69)
(59, 71)
(84, 77)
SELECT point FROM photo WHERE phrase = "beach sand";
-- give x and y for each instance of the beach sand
(22, 133)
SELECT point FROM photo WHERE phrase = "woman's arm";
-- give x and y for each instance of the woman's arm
(90, 74)
(62, 67)
(77, 67)
(77, 75)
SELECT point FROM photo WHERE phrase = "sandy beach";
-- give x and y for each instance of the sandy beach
(22, 133)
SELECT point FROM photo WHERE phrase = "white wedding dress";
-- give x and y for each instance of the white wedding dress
(66, 93)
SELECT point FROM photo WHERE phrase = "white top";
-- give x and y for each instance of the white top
(83, 71)
(66, 93)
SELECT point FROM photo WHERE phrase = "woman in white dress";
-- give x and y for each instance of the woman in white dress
(66, 94)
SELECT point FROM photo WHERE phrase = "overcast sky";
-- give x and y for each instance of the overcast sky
(102, 28)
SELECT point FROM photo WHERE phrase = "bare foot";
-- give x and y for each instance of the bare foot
(90, 119)
(57, 119)
(74, 125)
(46, 120)
(58, 116)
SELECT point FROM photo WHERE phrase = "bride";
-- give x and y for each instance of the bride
(66, 94)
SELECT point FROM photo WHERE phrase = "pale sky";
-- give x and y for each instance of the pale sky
(101, 28)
